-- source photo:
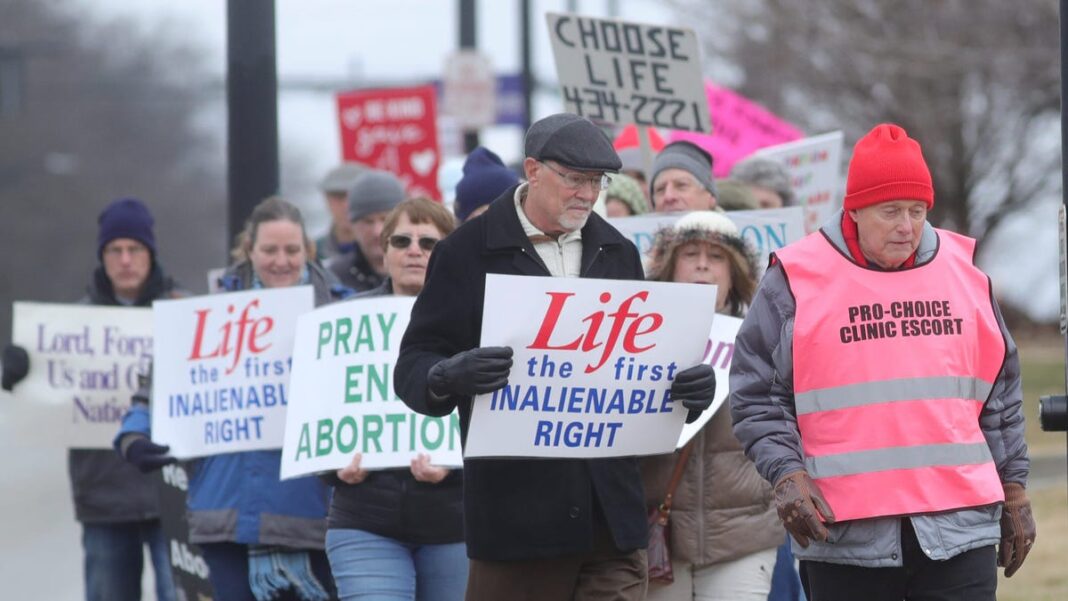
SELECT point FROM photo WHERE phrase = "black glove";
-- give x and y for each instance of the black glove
(148, 456)
(695, 387)
(477, 371)
(16, 366)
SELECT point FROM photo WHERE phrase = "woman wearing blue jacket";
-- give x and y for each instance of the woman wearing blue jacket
(262, 538)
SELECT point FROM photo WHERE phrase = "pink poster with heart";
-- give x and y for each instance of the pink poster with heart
(739, 127)
(393, 129)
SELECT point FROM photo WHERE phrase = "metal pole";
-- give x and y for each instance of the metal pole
(252, 107)
(1064, 140)
(527, 66)
(469, 39)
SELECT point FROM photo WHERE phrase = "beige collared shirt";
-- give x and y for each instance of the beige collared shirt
(563, 256)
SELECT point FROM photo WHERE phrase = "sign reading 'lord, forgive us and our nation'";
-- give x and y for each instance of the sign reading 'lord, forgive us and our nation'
(84, 363)
(342, 400)
(222, 368)
(593, 365)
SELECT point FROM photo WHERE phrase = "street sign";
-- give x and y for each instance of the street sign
(469, 90)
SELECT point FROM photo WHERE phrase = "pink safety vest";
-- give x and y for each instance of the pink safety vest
(891, 372)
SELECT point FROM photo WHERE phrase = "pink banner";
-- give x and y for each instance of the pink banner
(739, 127)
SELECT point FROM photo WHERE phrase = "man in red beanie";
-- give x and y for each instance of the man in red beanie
(875, 384)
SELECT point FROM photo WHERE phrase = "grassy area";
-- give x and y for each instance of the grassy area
(1042, 365)
(1043, 576)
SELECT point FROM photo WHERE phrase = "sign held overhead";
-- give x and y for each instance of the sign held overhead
(620, 72)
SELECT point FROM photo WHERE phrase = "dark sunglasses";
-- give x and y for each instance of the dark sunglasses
(403, 241)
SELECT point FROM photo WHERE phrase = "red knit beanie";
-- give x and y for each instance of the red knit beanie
(887, 165)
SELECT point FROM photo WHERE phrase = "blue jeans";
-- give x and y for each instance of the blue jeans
(785, 581)
(376, 568)
(114, 561)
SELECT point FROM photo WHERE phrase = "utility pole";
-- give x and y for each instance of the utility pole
(252, 108)
(468, 40)
(526, 66)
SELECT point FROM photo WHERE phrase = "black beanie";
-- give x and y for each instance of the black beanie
(485, 178)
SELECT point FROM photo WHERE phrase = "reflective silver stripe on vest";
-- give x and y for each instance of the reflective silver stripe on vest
(902, 389)
(897, 458)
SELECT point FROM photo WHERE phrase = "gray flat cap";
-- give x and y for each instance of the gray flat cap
(339, 179)
(572, 141)
(373, 192)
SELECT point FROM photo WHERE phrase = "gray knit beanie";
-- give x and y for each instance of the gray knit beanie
(766, 173)
(373, 192)
(688, 157)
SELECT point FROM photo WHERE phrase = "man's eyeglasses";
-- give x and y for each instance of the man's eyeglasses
(575, 181)
(403, 241)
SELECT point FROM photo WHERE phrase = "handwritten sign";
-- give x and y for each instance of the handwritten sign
(342, 399)
(221, 374)
(592, 368)
(620, 72)
(84, 363)
(395, 130)
(815, 174)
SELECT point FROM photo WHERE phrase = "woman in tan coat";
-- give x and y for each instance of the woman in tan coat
(724, 527)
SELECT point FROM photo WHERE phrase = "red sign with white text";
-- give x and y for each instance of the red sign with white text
(394, 130)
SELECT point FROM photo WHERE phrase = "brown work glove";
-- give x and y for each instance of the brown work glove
(1017, 529)
(800, 506)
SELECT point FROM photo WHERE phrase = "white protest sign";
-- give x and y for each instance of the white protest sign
(767, 230)
(718, 353)
(220, 378)
(341, 398)
(620, 72)
(593, 365)
(84, 363)
(813, 164)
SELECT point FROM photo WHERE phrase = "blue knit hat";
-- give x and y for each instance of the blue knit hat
(125, 218)
(485, 178)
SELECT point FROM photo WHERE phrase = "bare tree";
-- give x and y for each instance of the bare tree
(975, 81)
(105, 111)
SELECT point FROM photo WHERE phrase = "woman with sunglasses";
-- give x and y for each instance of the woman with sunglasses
(397, 534)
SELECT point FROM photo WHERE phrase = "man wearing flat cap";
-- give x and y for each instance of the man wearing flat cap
(538, 529)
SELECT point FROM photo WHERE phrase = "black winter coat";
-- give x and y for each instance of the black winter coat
(518, 508)
(394, 504)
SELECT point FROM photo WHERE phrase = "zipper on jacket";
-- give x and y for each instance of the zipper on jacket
(537, 261)
(596, 255)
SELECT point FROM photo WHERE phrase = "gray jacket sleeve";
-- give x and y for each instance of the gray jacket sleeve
(1002, 418)
(761, 381)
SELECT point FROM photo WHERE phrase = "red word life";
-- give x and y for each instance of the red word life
(247, 332)
(590, 339)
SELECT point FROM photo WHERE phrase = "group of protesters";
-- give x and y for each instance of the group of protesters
(549, 529)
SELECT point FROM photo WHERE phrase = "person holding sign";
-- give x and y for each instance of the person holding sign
(724, 529)
(535, 528)
(682, 179)
(117, 505)
(875, 384)
(261, 538)
(399, 532)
